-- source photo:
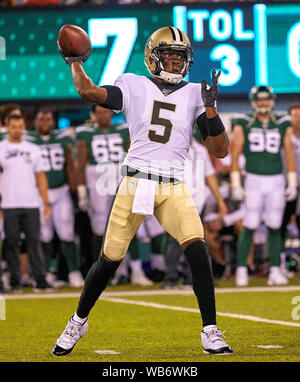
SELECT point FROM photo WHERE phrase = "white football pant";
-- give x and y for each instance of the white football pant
(264, 200)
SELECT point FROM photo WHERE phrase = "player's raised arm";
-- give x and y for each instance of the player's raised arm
(85, 86)
(210, 124)
(75, 48)
(106, 96)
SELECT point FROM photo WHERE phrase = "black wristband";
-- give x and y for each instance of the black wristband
(215, 126)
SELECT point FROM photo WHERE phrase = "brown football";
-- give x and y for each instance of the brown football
(73, 41)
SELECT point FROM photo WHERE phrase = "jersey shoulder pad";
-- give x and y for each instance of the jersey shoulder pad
(194, 85)
(65, 134)
(82, 132)
(283, 119)
(127, 76)
(128, 80)
(30, 136)
(241, 119)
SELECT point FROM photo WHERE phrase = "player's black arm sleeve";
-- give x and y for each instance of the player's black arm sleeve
(202, 125)
(114, 98)
(210, 126)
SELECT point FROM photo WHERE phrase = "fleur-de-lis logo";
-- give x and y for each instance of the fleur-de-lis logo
(149, 43)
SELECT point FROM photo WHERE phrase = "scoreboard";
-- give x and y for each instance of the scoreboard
(251, 44)
(256, 45)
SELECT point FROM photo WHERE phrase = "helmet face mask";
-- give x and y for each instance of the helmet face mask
(262, 99)
(173, 41)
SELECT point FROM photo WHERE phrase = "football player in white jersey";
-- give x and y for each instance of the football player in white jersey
(160, 111)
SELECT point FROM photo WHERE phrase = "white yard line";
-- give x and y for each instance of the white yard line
(113, 297)
(191, 310)
(154, 292)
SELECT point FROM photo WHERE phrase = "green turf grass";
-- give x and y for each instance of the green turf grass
(148, 334)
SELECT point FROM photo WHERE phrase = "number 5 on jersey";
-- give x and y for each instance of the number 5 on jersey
(157, 120)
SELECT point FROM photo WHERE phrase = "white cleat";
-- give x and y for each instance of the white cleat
(139, 278)
(75, 279)
(72, 333)
(52, 280)
(213, 342)
(241, 276)
(276, 277)
(5, 280)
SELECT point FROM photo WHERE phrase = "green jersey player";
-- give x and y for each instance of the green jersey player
(101, 147)
(57, 163)
(261, 137)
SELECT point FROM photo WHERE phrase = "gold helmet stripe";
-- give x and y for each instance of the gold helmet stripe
(173, 33)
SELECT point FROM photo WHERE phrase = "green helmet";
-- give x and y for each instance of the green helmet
(262, 92)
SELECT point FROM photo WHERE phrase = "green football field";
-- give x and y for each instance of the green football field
(155, 325)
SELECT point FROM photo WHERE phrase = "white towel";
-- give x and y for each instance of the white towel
(143, 202)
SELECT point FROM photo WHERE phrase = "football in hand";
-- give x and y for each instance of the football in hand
(73, 41)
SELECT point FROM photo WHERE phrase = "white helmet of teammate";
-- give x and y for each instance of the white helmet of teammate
(166, 39)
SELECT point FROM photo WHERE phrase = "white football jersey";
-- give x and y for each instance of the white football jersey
(160, 119)
(19, 163)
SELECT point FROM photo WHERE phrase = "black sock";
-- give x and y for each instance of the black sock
(95, 283)
(203, 282)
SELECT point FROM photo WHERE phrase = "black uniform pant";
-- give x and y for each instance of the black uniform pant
(28, 221)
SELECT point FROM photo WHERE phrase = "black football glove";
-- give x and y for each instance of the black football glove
(210, 94)
(70, 59)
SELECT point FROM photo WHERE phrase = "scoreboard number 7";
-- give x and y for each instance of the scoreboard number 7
(125, 31)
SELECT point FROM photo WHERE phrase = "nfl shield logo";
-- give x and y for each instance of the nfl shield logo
(166, 92)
